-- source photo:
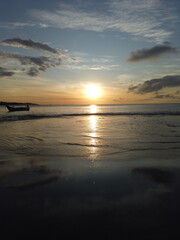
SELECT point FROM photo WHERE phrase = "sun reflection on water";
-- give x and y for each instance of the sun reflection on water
(93, 123)
(93, 109)
(93, 126)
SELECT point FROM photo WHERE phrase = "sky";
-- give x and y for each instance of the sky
(51, 51)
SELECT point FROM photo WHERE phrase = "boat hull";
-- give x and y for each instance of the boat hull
(14, 109)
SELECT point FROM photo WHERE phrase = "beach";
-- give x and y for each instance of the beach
(105, 172)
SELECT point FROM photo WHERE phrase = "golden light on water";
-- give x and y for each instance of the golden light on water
(93, 91)
(93, 135)
(93, 109)
(93, 130)
(93, 123)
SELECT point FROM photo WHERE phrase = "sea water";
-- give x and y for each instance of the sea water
(105, 172)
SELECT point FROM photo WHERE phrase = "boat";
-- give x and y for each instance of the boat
(13, 109)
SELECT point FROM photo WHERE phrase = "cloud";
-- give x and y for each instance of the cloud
(150, 53)
(155, 85)
(4, 72)
(33, 72)
(84, 61)
(13, 25)
(162, 96)
(29, 44)
(42, 61)
(141, 18)
(34, 64)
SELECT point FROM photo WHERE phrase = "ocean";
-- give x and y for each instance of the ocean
(99, 171)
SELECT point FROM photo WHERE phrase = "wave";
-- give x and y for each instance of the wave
(86, 145)
(8, 117)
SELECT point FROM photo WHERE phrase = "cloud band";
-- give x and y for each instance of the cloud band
(29, 44)
(150, 53)
(155, 85)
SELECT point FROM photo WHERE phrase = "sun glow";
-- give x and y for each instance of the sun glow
(93, 91)
(93, 109)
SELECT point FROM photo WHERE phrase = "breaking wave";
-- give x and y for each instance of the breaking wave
(9, 117)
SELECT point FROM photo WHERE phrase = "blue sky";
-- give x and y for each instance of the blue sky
(50, 51)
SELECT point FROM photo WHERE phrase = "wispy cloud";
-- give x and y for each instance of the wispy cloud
(85, 61)
(123, 80)
(14, 25)
(30, 44)
(140, 18)
(150, 53)
(91, 67)
(155, 85)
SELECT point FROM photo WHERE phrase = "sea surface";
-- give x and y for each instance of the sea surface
(90, 172)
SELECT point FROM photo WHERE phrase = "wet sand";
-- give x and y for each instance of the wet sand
(90, 177)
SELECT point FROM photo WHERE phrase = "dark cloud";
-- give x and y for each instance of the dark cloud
(29, 64)
(150, 53)
(33, 72)
(4, 72)
(171, 96)
(35, 64)
(155, 85)
(29, 44)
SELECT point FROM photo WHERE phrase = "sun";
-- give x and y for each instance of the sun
(93, 91)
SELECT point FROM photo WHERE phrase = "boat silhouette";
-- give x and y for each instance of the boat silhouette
(13, 109)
